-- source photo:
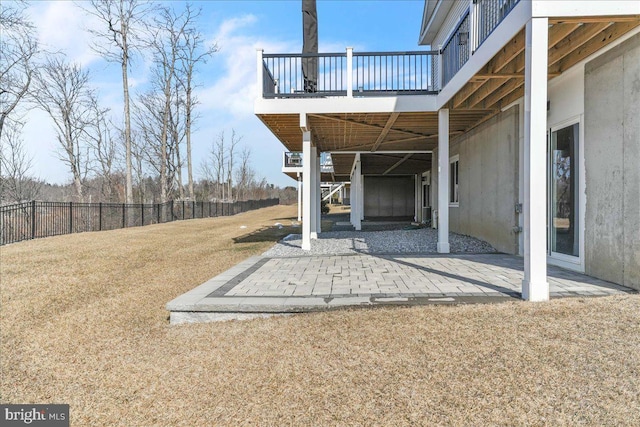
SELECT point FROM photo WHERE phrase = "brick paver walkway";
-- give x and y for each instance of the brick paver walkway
(276, 285)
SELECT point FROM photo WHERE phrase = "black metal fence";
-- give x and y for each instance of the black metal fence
(489, 14)
(372, 74)
(455, 52)
(393, 73)
(32, 220)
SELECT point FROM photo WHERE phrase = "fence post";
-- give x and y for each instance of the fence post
(193, 209)
(142, 213)
(70, 217)
(158, 213)
(123, 217)
(100, 217)
(33, 219)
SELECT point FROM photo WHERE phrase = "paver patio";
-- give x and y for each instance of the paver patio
(261, 286)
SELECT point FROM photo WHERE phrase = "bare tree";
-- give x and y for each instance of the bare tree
(16, 182)
(138, 155)
(165, 45)
(18, 50)
(176, 133)
(193, 52)
(245, 175)
(104, 150)
(219, 162)
(64, 93)
(235, 140)
(118, 40)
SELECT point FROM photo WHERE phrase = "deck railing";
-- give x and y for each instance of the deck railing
(394, 73)
(295, 160)
(456, 50)
(285, 71)
(349, 74)
(292, 159)
(382, 73)
(489, 14)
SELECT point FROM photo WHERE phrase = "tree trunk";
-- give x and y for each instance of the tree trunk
(188, 136)
(127, 115)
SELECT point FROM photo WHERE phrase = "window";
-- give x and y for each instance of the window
(453, 180)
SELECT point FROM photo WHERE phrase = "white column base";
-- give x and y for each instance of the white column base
(443, 181)
(314, 235)
(535, 291)
(443, 247)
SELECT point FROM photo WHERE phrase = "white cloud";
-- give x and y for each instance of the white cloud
(63, 27)
(236, 89)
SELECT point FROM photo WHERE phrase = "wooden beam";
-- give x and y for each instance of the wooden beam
(385, 131)
(500, 76)
(503, 91)
(512, 97)
(559, 31)
(464, 93)
(602, 39)
(591, 19)
(357, 123)
(506, 54)
(575, 40)
(398, 163)
(490, 87)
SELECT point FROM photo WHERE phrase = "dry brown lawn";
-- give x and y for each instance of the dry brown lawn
(83, 322)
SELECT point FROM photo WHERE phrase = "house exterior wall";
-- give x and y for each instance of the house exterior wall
(389, 196)
(457, 10)
(612, 162)
(488, 182)
(450, 22)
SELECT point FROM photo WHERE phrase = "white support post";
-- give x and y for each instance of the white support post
(361, 194)
(417, 197)
(313, 182)
(356, 189)
(299, 197)
(473, 27)
(535, 286)
(307, 187)
(349, 72)
(260, 75)
(318, 195)
(443, 181)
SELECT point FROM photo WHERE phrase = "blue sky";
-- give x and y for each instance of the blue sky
(228, 87)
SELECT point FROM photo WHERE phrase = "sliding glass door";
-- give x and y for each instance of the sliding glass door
(564, 201)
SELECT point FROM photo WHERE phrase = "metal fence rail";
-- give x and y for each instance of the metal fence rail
(455, 52)
(32, 220)
(283, 74)
(393, 72)
(371, 74)
(489, 14)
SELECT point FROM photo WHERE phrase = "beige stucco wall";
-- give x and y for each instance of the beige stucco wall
(612, 165)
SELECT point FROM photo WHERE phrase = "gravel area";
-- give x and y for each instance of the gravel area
(421, 240)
